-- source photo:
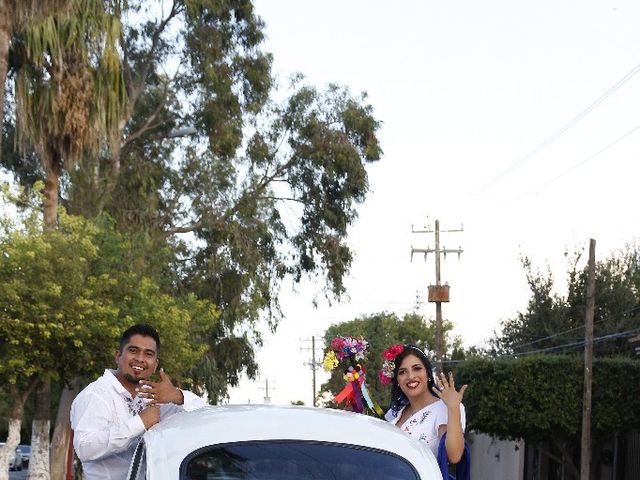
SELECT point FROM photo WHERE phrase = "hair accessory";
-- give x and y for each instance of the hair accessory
(352, 351)
(389, 365)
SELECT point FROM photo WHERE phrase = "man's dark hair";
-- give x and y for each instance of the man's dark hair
(139, 329)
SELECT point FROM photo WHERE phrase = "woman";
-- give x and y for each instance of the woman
(422, 407)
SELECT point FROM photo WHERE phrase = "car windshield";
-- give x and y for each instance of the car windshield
(289, 460)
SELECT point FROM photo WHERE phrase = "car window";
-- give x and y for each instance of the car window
(289, 460)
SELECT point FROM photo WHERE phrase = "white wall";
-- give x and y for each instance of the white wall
(495, 459)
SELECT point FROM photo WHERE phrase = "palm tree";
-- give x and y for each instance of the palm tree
(69, 89)
(69, 93)
(14, 14)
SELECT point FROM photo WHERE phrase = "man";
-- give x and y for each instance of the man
(110, 415)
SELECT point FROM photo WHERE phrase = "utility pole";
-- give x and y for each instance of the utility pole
(585, 446)
(314, 364)
(438, 293)
(267, 398)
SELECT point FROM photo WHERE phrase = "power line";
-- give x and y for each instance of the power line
(541, 146)
(579, 164)
(542, 339)
(577, 344)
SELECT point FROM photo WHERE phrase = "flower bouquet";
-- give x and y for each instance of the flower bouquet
(351, 351)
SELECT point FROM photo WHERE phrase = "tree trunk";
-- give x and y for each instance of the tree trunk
(13, 438)
(111, 178)
(15, 421)
(60, 442)
(6, 29)
(40, 428)
(39, 461)
(51, 186)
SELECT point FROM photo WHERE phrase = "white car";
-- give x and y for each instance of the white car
(263, 442)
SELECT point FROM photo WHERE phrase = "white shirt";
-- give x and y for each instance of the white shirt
(106, 426)
(424, 424)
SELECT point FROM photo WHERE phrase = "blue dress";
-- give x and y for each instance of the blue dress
(463, 467)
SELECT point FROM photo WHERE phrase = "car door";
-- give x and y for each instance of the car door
(137, 467)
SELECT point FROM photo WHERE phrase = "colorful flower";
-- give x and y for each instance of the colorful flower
(337, 343)
(389, 365)
(355, 394)
(330, 361)
(349, 347)
(384, 379)
(393, 351)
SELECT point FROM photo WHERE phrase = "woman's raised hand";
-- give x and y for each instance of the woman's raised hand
(446, 390)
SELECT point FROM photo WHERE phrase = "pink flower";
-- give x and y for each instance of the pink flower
(337, 344)
(350, 342)
(383, 378)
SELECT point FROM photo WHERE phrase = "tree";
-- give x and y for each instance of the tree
(382, 330)
(243, 190)
(265, 189)
(68, 93)
(538, 398)
(14, 14)
(69, 89)
(54, 282)
(34, 306)
(555, 323)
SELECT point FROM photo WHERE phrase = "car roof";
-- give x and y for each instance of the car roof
(168, 442)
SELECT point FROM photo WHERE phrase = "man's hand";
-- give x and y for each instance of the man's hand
(160, 392)
(150, 416)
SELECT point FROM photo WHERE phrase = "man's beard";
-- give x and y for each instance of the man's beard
(131, 379)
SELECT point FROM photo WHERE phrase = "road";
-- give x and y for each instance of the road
(21, 475)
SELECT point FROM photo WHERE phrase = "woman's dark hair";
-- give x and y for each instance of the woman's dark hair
(399, 399)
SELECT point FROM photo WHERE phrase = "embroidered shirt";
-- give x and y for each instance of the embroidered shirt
(106, 426)
(424, 423)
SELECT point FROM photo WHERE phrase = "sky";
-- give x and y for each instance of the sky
(515, 120)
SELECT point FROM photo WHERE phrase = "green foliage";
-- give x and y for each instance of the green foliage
(66, 297)
(46, 302)
(69, 87)
(261, 190)
(555, 323)
(382, 330)
(253, 191)
(539, 397)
